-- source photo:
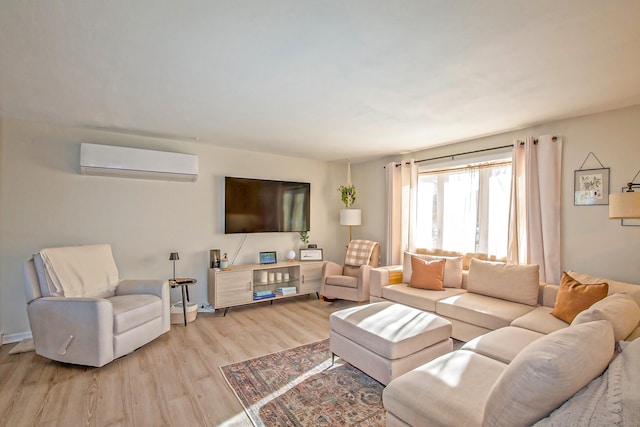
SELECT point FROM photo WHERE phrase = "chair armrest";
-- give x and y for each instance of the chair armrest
(72, 330)
(330, 268)
(153, 287)
(364, 276)
(160, 288)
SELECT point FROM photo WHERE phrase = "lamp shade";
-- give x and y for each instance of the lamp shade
(624, 205)
(173, 256)
(350, 217)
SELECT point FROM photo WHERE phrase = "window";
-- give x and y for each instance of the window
(465, 209)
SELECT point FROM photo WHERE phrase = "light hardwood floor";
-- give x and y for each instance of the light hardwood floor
(172, 381)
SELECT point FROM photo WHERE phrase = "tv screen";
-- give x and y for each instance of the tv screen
(261, 206)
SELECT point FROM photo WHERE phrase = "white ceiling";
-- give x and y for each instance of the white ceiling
(327, 79)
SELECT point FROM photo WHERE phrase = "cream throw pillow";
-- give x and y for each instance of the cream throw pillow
(452, 268)
(619, 309)
(547, 372)
(517, 283)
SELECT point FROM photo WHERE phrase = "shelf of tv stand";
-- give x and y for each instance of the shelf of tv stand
(235, 286)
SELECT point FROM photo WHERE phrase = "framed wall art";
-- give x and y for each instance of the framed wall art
(591, 187)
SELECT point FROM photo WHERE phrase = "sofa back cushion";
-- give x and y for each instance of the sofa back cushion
(547, 372)
(621, 310)
(517, 283)
(452, 268)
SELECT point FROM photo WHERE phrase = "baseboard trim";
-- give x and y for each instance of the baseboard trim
(11, 338)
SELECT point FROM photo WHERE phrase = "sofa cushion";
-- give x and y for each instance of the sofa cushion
(547, 372)
(502, 344)
(574, 297)
(481, 310)
(419, 298)
(427, 274)
(131, 311)
(621, 310)
(540, 320)
(517, 283)
(614, 286)
(452, 268)
(450, 390)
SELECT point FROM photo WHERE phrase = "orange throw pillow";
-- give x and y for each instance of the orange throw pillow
(427, 275)
(574, 297)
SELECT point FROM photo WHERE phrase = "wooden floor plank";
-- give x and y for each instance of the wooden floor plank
(173, 381)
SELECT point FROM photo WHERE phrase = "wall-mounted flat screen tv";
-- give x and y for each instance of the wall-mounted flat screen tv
(262, 206)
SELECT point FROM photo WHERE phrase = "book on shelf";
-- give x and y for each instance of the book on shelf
(287, 290)
(262, 293)
(270, 295)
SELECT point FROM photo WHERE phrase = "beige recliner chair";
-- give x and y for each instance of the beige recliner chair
(80, 312)
(351, 281)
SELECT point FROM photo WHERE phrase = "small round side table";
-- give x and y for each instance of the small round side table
(183, 282)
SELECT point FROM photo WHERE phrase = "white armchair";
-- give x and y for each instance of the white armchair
(80, 312)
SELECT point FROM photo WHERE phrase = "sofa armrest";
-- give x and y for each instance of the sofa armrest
(159, 288)
(384, 276)
(549, 294)
(72, 330)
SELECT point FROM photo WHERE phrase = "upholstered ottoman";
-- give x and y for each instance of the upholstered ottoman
(386, 339)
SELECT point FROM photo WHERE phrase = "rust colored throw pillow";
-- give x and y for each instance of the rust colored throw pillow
(427, 274)
(574, 297)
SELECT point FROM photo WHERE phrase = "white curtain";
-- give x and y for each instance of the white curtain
(534, 218)
(402, 185)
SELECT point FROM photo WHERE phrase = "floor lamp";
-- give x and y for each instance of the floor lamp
(350, 217)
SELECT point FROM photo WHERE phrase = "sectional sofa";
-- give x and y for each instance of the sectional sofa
(520, 365)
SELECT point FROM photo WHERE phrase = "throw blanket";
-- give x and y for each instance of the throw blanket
(81, 271)
(359, 252)
(612, 399)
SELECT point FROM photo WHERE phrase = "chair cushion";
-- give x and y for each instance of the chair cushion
(130, 311)
(344, 281)
(517, 283)
(547, 372)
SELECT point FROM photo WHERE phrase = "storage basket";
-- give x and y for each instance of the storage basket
(177, 316)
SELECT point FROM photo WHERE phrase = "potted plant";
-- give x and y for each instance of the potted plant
(304, 237)
(348, 193)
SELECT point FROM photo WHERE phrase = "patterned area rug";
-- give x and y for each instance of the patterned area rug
(299, 387)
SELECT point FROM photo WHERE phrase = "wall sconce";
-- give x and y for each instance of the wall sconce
(352, 217)
(173, 256)
(625, 205)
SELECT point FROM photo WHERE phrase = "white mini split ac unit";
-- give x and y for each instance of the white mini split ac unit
(107, 160)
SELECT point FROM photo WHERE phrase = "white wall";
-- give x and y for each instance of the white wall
(591, 243)
(45, 202)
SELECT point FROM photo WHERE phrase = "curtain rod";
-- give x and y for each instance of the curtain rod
(535, 141)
